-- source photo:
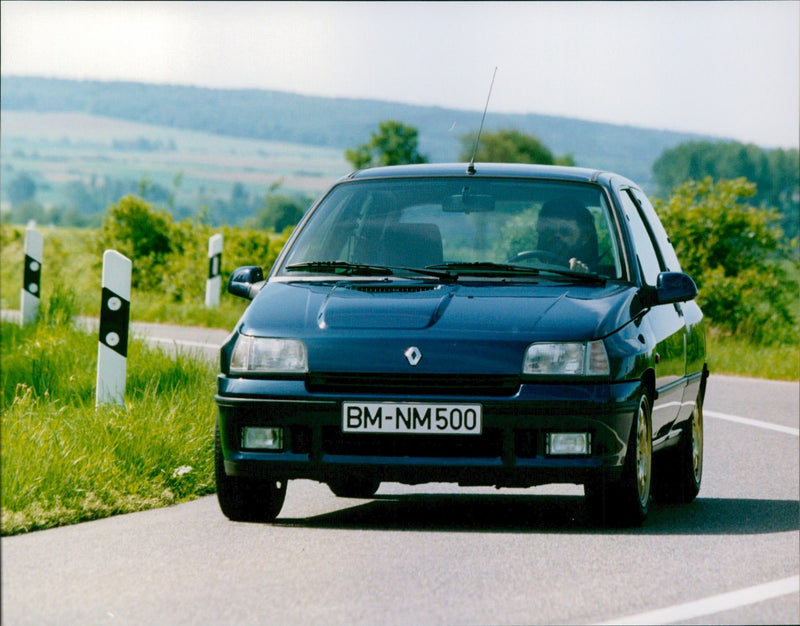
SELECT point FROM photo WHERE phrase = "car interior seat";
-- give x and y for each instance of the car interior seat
(411, 245)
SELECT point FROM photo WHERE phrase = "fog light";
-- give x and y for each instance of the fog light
(262, 438)
(569, 443)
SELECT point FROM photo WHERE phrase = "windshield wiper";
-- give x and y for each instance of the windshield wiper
(487, 268)
(362, 269)
(340, 267)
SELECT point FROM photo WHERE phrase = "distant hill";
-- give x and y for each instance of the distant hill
(334, 122)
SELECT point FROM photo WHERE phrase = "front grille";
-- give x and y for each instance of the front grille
(413, 385)
(526, 443)
(489, 444)
(300, 440)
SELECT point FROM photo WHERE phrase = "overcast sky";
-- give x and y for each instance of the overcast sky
(728, 69)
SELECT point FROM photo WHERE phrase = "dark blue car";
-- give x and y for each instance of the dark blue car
(507, 325)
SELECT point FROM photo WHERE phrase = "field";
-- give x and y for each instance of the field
(58, 148)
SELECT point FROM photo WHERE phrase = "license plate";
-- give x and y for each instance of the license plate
(411, 418)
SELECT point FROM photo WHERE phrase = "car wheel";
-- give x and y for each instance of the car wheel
(246, 499)
(679, 470)
(354, 486)
(626, 501)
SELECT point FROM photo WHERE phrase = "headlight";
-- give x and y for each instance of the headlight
(560, 359)
(264, 354)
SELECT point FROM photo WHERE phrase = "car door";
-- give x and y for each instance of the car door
(663, 326)
(695, 338)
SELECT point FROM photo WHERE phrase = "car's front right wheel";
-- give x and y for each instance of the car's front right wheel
(246, 499)
(626, 501)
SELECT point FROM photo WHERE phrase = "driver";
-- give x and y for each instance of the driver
(566, 230)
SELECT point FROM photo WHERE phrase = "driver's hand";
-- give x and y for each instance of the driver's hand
(578, 266)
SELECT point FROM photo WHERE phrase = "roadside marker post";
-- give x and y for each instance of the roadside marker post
(214, 282)
(112, 348)
(32, 275)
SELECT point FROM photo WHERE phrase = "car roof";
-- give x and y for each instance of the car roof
(510, 170)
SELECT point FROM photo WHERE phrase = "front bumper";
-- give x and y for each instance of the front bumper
(510, 451)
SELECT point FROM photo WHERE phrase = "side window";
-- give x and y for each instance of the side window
(645, 252)
(667, 251)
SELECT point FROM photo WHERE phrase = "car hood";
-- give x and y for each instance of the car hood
(482, 326)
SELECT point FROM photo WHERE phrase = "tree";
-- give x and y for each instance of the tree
(29, 210)
(279, 212)
(21, 189)
(776, 173)
(394, 143)
(81, 197)
(240, 199)
(733, 251)
(510, 146)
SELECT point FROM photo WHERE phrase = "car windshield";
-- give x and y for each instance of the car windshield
(462, 226)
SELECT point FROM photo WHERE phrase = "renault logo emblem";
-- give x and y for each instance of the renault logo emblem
(413, 355)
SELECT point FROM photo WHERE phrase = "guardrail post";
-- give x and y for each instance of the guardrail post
(32, 274)
(214, 282)
(112, 348)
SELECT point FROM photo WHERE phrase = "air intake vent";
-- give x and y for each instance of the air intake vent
(394, 288)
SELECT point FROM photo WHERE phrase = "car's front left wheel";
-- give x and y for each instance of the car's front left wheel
(679, 470)
(626, 501)
(246, 499)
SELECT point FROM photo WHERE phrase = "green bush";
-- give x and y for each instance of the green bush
(738, 257)
(133, 227)
(170, 259)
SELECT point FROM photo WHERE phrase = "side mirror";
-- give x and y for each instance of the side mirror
(670, 287)
(246, 281)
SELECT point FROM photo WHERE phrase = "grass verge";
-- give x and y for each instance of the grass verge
(739, 357)
(66, 461)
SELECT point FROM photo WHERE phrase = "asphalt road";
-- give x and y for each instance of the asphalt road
(439, 554)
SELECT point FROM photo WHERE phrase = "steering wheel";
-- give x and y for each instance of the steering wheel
(542, 255)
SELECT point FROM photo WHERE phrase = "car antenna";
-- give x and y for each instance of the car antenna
(471, 166)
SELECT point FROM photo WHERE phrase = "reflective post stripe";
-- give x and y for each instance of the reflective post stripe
(112, 348)
(214, 281)
(31, 281)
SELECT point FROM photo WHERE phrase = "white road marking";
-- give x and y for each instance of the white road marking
(732, 599)
(714, 604)
(750, 422)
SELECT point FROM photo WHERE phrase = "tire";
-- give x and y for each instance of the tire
(246, 499)
(354, 486)
(679, 470)
(625, 502)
